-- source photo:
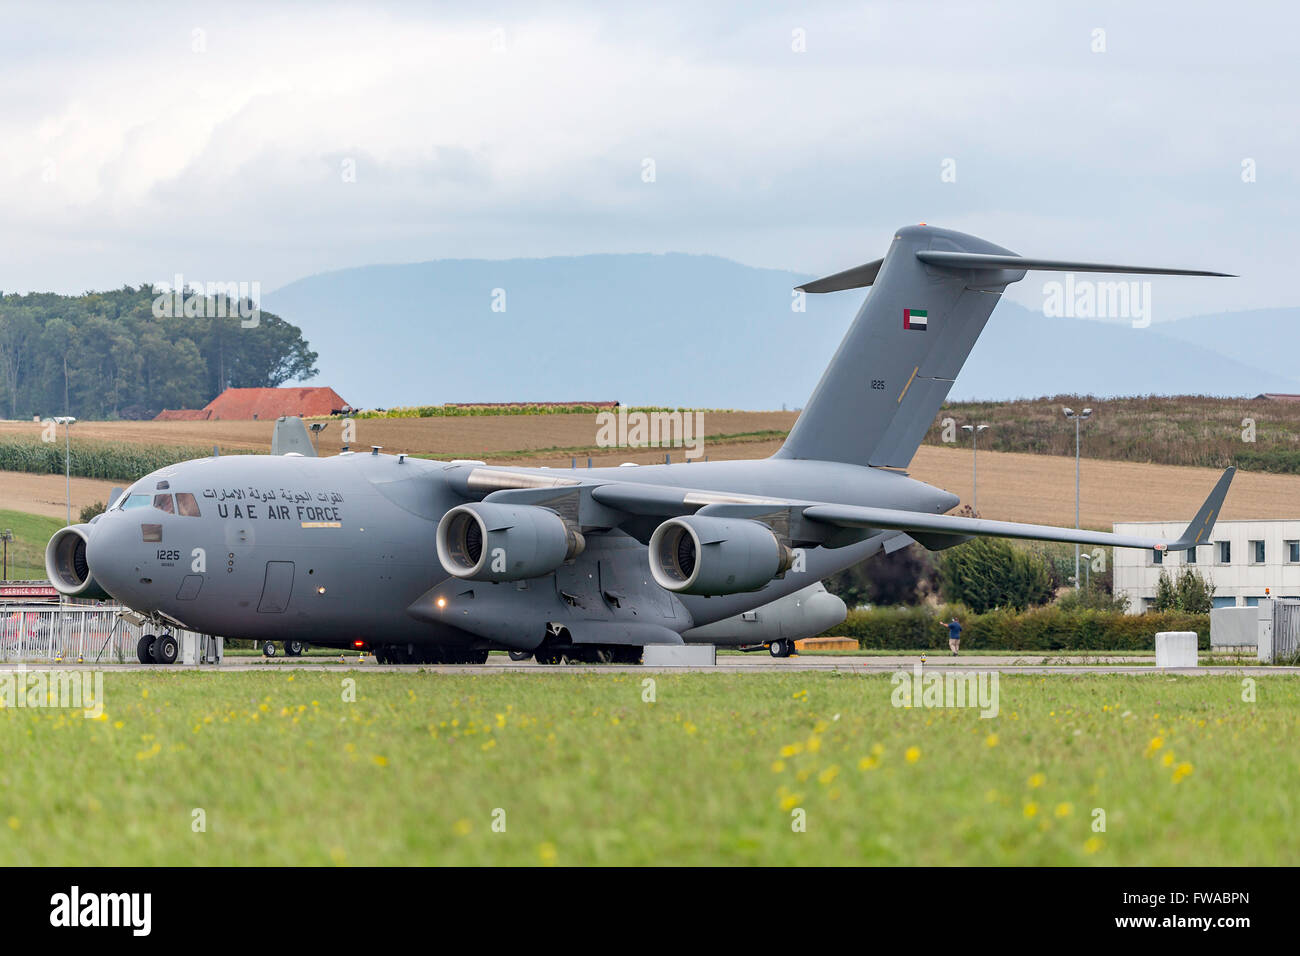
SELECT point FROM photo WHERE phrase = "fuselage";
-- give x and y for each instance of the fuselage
(336, 550)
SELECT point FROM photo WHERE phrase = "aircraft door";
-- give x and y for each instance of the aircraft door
(277, 588)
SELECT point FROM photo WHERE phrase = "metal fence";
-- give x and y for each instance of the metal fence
(48, 632)
(1286, 629)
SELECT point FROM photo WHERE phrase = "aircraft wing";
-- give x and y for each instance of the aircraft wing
(612, 503)
(920, 523)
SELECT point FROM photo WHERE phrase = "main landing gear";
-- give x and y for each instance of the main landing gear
(157, 649)
(781, 648)
(590, 654)
(291, 648)
(558, 648)
(427, 654)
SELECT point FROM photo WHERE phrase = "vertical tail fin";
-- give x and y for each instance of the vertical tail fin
(894, 368)
(932, 293)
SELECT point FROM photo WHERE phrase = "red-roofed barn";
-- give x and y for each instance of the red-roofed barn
(260, 404)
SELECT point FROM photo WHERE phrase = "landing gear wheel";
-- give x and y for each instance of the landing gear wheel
(268, 648)
(549, 657)
(144, 648)
(165, 649)
(294, 648)
(381, 654)
(520, 655)
(781, 648)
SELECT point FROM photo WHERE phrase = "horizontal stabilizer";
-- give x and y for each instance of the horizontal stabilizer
(979, 260)
(856, 278)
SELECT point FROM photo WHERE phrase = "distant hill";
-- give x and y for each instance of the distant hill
(1266, 338)
(707, 332)
(1023, 354)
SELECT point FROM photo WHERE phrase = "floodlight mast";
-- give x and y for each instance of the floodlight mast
(1077, 418)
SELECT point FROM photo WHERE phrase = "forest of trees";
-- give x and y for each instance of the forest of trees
(105, 355)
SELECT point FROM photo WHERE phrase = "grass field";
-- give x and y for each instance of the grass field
(1198, 430)
(713, 771)
(27, 550)
(445, 437)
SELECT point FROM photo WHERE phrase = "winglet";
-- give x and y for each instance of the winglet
(1199, 529)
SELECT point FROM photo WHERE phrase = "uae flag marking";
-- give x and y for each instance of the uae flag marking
(915, 319)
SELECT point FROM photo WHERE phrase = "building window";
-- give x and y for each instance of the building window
(1293, 552)
(1257, 552)
(1157, 557)
(1191, 555)
(1225, 552)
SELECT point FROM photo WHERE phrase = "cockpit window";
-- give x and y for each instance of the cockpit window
(135, 501)
(163, 503)
(186, 505)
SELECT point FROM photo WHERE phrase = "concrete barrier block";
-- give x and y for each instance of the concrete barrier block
(680, 655)
(1176, 649)
(826, 644)
(1234, 627)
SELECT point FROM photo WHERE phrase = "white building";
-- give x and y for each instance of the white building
(1246, 561)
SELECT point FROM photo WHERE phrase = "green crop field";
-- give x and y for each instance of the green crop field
(574, 768)
(27, 550)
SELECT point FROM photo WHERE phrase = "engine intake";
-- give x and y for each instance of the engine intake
(703, 555)
(66, 565)
(491, 542)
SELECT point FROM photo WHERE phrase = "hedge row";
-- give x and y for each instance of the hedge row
(1040, 629)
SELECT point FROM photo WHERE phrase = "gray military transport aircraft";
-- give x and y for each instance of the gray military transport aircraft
(441, 562)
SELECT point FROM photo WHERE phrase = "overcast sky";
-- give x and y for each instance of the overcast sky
(270, 141)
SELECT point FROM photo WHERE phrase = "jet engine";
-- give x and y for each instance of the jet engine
(702, 555)
(66, 566)
(491, 542)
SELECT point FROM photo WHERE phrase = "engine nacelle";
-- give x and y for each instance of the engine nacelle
(703, 555)
(66, 565)
(491, 542)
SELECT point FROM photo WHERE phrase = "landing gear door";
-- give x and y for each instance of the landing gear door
(277, 588)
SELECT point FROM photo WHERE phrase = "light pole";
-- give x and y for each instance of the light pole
(1077, 418)
(316, 429)
(67, 421)
(974, 468)
(6, 536)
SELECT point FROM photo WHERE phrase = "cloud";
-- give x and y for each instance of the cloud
(269, 142)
